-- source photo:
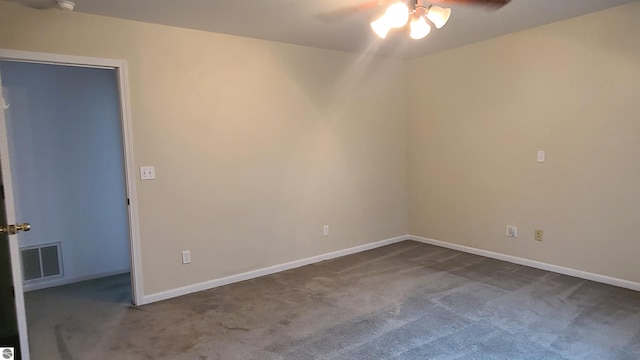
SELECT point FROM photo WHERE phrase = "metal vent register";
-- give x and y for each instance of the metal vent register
(41, 261)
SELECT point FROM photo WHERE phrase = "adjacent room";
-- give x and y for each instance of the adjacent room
(282, 181)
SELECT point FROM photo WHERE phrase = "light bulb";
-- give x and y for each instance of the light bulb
(438, 16)
(397, 14)
(419, 28)
(381, 26)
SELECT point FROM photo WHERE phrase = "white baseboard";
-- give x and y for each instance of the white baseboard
(47, 283)
(147, 299)
(532, 263)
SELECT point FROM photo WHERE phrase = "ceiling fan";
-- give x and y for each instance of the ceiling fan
(421, 15)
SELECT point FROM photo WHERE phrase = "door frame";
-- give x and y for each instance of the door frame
(120, 67)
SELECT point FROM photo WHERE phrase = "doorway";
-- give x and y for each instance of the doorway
(65, 144)
(69, 149)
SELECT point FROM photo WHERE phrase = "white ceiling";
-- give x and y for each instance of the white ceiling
(314, 23)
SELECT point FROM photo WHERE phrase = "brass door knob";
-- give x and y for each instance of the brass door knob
(13, 229)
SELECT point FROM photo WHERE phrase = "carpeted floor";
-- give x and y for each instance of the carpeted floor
(404, 301)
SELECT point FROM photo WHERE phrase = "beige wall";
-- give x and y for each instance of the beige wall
(479, 114)
(256, 144)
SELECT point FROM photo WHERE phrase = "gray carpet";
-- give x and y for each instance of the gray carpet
(404, 301)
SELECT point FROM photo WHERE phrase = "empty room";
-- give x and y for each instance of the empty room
(337, 179)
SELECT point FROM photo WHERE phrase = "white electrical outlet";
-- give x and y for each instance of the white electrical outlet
(512, 231)
(325, 230)
(186, 257)
(147, 173)
(542, 155)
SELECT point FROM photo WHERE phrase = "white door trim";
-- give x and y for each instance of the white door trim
(127, 133)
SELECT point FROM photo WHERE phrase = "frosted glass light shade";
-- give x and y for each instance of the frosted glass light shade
(438, 16)
(397, 14)
(419, 28)
(381, 26)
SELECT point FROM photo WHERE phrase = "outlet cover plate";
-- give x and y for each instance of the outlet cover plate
(538, 235)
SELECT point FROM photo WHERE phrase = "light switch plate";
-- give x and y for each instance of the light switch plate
(186, 257)
(541, 156)
(147, 173)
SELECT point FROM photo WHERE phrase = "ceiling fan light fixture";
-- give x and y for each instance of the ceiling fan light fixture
(419, 28)
(397, 14)
(438, 16)
(65, 5)
(381, 27)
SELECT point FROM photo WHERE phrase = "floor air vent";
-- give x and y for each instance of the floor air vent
(42, 261)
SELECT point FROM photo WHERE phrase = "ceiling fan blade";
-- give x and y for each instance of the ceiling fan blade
(38, 4)
(346, 11)
(491, 3)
